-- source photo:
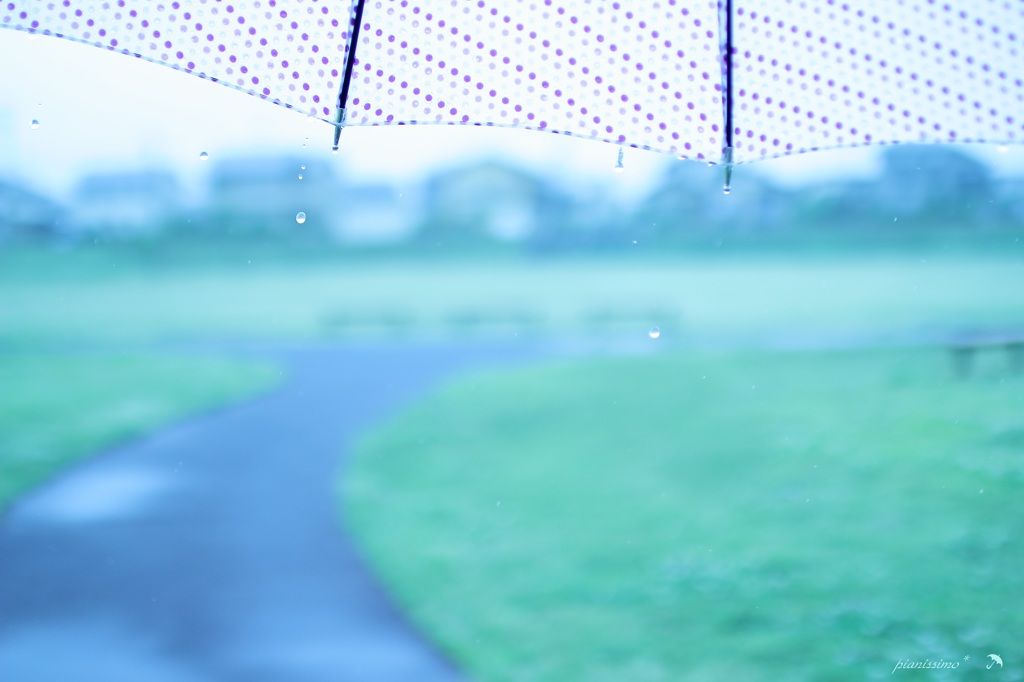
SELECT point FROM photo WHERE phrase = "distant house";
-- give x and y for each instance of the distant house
(266, 193)
(27, 214)
(126, 204)
(690, 200)
(493, 200)
(936, 181)
(377, 214)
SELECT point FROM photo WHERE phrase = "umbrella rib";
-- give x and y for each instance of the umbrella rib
(728, 73)
(350, 58)
(727, 57)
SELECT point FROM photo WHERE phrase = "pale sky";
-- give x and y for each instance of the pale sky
(102, 111)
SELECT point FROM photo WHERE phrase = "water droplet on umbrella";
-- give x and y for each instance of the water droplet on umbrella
(203, 156)
(655, 332)
(300, 217)
(34, 124)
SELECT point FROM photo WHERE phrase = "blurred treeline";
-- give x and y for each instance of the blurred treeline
(923, 195)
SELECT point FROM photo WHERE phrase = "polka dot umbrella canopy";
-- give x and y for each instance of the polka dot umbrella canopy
(728, 81)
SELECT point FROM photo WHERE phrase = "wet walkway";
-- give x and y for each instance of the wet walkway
(212, 551)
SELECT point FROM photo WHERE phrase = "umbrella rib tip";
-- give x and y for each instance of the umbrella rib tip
(339, 123)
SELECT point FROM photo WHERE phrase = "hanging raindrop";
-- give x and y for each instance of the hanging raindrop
(203, 156)
(300, 217)
(34, 124)
(618, 164)
(655, 332)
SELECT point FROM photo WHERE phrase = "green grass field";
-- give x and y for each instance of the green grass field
(62, 298)
(735, 516)
(57, 408)
(746, 516)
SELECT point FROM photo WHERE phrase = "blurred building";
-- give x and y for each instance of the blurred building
(25, 214)
(494, 201)
(126, 204)
(690, 202)
(931, 177)
(377, 215)
(267, 193)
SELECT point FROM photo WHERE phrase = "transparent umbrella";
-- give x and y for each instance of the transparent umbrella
(723, 82)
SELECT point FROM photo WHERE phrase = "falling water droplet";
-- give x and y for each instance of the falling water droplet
(34, 124)
(655, 332)
(300, 217)
(203, 156)
(302, 168)
(300, 176)
(334, 152)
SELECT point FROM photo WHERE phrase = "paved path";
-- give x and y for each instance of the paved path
(212, 551)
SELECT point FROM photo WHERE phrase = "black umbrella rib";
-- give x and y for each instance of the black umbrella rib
(728, 73)
(350, 58)
(346, 79)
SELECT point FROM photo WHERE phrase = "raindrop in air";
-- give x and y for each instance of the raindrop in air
(203, 156)
(655, 332)
(300, 217)
(300, 176)
(302, 168)
(34, 124)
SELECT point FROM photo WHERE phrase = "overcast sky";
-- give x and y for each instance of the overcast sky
(101, 111)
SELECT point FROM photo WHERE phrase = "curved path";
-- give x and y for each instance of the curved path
(212, 551)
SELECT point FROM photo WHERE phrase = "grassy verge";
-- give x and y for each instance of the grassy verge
(758, 516)
(55, 409)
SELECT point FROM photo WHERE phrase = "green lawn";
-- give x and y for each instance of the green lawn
(57, 408)
(750, 516)
(747, 300)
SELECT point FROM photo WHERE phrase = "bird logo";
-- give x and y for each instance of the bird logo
(995, 659)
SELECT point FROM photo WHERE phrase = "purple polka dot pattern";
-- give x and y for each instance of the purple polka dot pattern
(287, 51)
(807, 74)
(811, 74)
(647, 74)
